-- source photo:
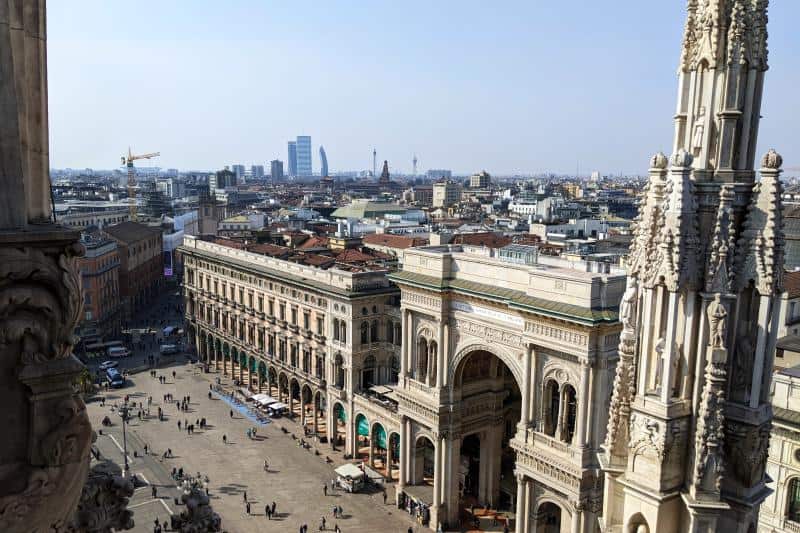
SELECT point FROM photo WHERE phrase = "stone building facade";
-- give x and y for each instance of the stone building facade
(99, 268)
(141, 272)
(319, 339)
(690, 416)
(781, 509)
(505, 376)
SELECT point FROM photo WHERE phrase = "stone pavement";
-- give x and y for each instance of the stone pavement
(294, 481)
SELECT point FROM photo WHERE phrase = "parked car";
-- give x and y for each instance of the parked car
(117, 352)
(105, 365)
(114, 378)
(167, 349)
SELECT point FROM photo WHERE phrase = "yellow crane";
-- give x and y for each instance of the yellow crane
(128, 161)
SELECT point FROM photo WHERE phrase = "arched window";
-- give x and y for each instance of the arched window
(551, 407)
(336, 329)
(398, 334)
(342, 331)
(793, 500)
(422, 359)
(569, 406)
(373, 332)
(364, 333)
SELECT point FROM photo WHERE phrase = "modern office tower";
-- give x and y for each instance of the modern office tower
(690, 416)
(323, 162)
(221, 179)
(292, 162)
(238, 171)
(276, 169)
(257, 171)
(304, 155)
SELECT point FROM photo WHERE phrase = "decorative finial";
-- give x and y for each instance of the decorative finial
(659, 161)
(682, 159)
(772, 160)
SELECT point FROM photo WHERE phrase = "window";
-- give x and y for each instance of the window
(364, 333)
(336, 329)
(271, 307)
(320, 325)
(793, 500)
(294, 315)
(306, 320)
(282, 311)
(373, 332)
(260, 304)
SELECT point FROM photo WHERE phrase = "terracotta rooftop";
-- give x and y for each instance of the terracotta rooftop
(353, 256)
(314, 242)
(271, 250)
(230, 243)
(393, 241)
(490, 240)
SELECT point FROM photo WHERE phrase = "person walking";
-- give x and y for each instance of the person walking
(325, 489)
(322, 524)
(244, 495)
(231, 413)
(273, 508)
(224, 439)
(336, 528)
(247, 507)
(154, 491)
(384, 497)
(179, 425)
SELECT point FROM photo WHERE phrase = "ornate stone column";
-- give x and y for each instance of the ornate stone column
(44, 451)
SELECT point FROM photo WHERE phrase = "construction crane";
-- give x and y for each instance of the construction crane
(128, 161)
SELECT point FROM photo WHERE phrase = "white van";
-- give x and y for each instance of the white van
(118, 351)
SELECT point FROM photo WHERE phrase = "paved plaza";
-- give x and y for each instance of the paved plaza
(294, 481)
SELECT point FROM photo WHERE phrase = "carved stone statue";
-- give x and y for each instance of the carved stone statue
(718, 322)
(627, 309)
(699, 129)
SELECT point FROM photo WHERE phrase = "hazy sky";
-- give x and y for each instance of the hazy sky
(511, 87)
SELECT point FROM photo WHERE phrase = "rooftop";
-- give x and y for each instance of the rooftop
(368, 209)
(131, 231)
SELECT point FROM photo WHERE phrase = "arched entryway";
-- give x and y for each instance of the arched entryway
(307, 409)
(363, 440)
(378, 448)
(339, 429)
(262, 375)
(294, 398)
(548, 518)
(283, 388)
(489, 460)
(424, 461)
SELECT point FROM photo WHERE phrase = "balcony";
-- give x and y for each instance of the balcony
(319, 338)
(292, 327)
(259, 315)
(270, 319)
(308, 334)
(791, 525)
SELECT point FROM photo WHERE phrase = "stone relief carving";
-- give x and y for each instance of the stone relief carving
(488, 333)
(104, 501)
(746, 448)
(653, 438)
(544, 330)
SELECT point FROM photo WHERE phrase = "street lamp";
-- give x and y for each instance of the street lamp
(123, 412)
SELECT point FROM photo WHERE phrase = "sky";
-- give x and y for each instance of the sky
(511, 87)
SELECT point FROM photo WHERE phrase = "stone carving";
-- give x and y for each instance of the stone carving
(627, 310)
(624, 389)
(718, 319)
(544, 330)
(653, 438)
(699, 129)
(772, 160)
(104, 501)
(746, 448)
(659, 161)
(488, 333)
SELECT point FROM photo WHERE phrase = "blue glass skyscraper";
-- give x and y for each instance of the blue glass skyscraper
(323, 162)
(304, 155)
(292, 162)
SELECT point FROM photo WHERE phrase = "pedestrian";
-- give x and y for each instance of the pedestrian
(336, 528)
(179, 425)
(169, 451)
(145, 449)
(266, 512)
(154, 491)
(322, 525)
(505, 528)
(245, 495)
(273, 508)
(384, 497)
(247, 507)
(410, 529)
(231, 413)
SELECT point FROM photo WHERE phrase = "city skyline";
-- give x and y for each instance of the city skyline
(527, 90)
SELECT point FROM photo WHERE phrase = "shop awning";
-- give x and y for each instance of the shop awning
(350, 470)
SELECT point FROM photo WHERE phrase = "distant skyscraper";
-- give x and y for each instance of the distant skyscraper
(238, 171)
(438, 173)
(292, 162)
(276, 169)
(304, 155)
(323, 162)
(257, 171)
